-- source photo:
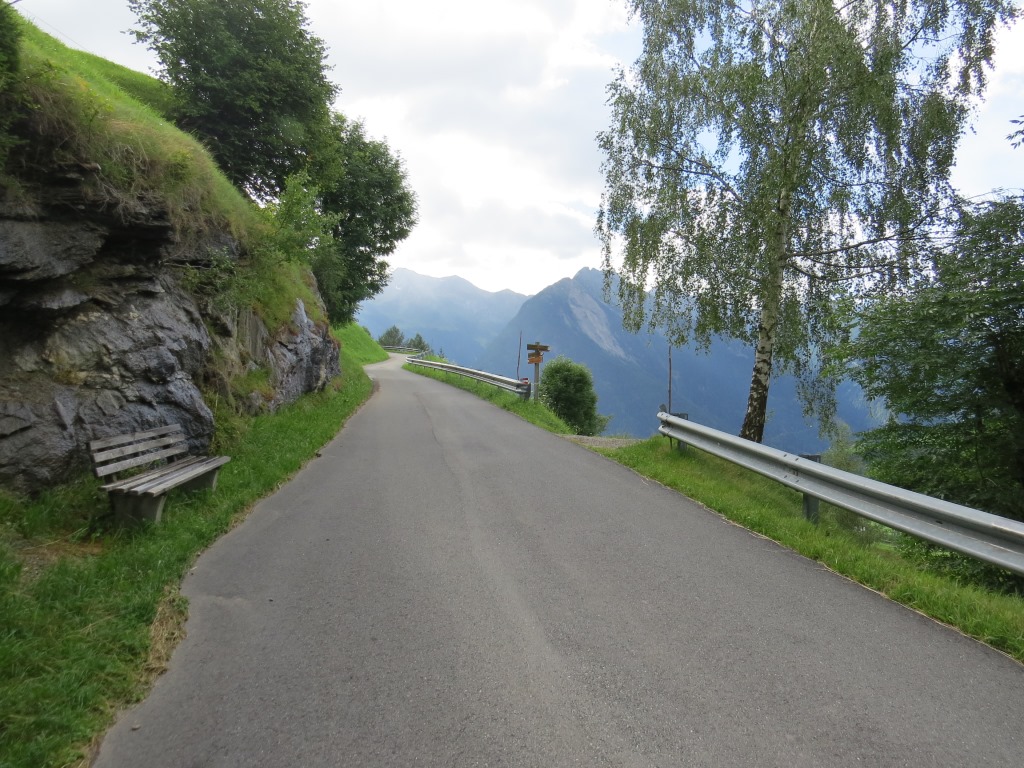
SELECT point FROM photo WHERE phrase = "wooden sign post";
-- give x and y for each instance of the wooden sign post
(535, 354)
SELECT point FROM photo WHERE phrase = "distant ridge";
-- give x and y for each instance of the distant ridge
(481, 329)
(449, 312)
(631, 370)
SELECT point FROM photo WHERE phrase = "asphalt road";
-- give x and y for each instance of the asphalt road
(450, 586)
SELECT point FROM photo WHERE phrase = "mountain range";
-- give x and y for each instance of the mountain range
(451, 314)
(489, 331)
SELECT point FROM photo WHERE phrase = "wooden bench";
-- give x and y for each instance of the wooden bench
(164, 451)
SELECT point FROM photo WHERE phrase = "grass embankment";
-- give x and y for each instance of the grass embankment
(530, 410)
(83, 111)
(862, 552)
(88, 619)
(88, 110)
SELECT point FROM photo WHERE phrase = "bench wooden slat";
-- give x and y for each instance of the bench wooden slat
(110, 469)
(107, 442)
(164, 484)
(129, 483)
(142, 496)
(127, 450)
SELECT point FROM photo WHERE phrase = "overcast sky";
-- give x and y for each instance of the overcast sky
(494, 106)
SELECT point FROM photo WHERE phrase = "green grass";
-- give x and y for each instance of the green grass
(532, 411)
(75, 641)
(144, 88)
(85, 110)
(359, 345)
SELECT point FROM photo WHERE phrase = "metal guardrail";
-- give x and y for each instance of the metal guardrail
(521, 387)
(988, 537)
(409, 350)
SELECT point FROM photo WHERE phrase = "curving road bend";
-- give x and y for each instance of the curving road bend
(449, 586)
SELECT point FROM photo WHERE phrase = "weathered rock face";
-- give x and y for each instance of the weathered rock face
(98, 336)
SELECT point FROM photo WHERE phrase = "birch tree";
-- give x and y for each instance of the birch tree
(768, 161)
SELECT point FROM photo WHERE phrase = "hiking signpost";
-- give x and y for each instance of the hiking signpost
(535, 354)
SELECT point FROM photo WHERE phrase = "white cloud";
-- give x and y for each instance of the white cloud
(986, 160)
(495, 106)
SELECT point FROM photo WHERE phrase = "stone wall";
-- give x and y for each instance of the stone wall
(98, 336)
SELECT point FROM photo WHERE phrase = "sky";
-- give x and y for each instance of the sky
(494, 107)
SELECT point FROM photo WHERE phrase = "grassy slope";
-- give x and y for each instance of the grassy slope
(86, 110)
(361, 345)
(77, 641)
(532, 411)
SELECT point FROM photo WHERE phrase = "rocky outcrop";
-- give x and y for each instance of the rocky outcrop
(98, 336)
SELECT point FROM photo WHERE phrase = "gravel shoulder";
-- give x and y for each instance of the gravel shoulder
(602, 442)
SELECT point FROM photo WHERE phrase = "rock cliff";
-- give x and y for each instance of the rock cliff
(99, 334)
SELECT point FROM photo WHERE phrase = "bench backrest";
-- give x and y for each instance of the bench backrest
(116, 454)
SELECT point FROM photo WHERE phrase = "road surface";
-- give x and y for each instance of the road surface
(449, 586)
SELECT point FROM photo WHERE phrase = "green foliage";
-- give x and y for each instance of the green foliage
(948, 360)
(418, 342)
(10, 40)
(76, 632)
(567, 388)
(365, 186)
(842, 452)
(83, 112)
(249, 80)
(297, 228)
(768, 160)
(392, 337)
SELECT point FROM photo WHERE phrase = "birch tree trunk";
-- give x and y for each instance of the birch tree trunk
(771, 301)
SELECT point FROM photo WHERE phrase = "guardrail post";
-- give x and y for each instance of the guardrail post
(527, 388)
(811, 502)
(680, 445)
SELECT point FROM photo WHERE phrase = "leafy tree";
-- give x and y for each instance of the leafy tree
(567, 388)
(769, 159)
(365, 186)
(418, 342)
(297, 228)
(392, 337)
(948, 359)
(1017, 137)
(249, 79)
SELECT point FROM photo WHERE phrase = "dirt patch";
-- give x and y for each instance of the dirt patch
(36, 557)
(602, 442)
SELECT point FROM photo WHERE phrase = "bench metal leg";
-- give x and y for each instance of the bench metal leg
(131, 510)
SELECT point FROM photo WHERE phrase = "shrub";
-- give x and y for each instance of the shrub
(567, 388)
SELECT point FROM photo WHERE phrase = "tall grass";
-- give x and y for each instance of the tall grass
(83, 111)
(359, 345)
(77, 634)
(532, 411)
